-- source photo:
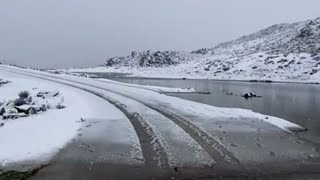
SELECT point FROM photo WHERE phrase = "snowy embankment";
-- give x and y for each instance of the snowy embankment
(173, 103)
(38, 137)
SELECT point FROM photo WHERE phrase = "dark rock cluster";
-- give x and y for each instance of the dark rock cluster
(146, 59)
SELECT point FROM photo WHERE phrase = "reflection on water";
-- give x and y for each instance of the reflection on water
(299, 103)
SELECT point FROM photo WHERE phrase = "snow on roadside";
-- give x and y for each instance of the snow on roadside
(148, 87)
(153, 88)
(39, 137)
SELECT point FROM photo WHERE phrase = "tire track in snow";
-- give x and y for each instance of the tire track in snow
(217, 151)
(152, 150)
(155, 154)
(207, 142)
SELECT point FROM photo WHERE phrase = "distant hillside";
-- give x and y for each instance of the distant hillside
(149, 58)
(280, 52)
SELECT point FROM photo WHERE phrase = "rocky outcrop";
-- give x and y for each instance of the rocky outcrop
(147, 59)
(203, 51)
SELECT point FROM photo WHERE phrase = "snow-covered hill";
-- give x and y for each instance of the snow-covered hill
(286, 52)
(150, 59)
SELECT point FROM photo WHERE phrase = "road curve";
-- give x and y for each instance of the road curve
(176, 144)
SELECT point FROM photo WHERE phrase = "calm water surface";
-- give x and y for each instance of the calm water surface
(298, 103)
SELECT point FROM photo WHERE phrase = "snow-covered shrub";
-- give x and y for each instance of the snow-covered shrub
(43, 107)
(13, 111)
(60, 106)
(19, 102)
(2, 111)
(24, 95)
(28, 104)
(29, 100)
(32, 110)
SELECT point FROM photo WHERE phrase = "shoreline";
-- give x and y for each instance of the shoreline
(127, 76)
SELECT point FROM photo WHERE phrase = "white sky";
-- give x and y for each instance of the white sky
(64, 33)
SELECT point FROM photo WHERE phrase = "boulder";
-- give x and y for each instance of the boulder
(250, 95)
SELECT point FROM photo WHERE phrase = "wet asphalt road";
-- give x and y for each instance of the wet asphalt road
(92, 156)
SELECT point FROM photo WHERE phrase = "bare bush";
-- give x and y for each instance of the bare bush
(24, 94)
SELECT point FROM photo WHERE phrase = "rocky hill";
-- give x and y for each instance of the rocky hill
(301, 37)
(149, 59)
(280, 52)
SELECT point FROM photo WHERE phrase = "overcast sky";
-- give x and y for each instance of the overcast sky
(64, 33)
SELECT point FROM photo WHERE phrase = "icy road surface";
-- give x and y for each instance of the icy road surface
(177, 138)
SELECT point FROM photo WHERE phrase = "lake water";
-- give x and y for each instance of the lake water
(298, 103)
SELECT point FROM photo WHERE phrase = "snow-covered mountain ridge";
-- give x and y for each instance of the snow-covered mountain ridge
(288, 52)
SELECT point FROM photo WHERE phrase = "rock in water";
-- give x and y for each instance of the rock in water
(250, 95)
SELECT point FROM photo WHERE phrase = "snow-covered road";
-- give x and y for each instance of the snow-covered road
(166, 132)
